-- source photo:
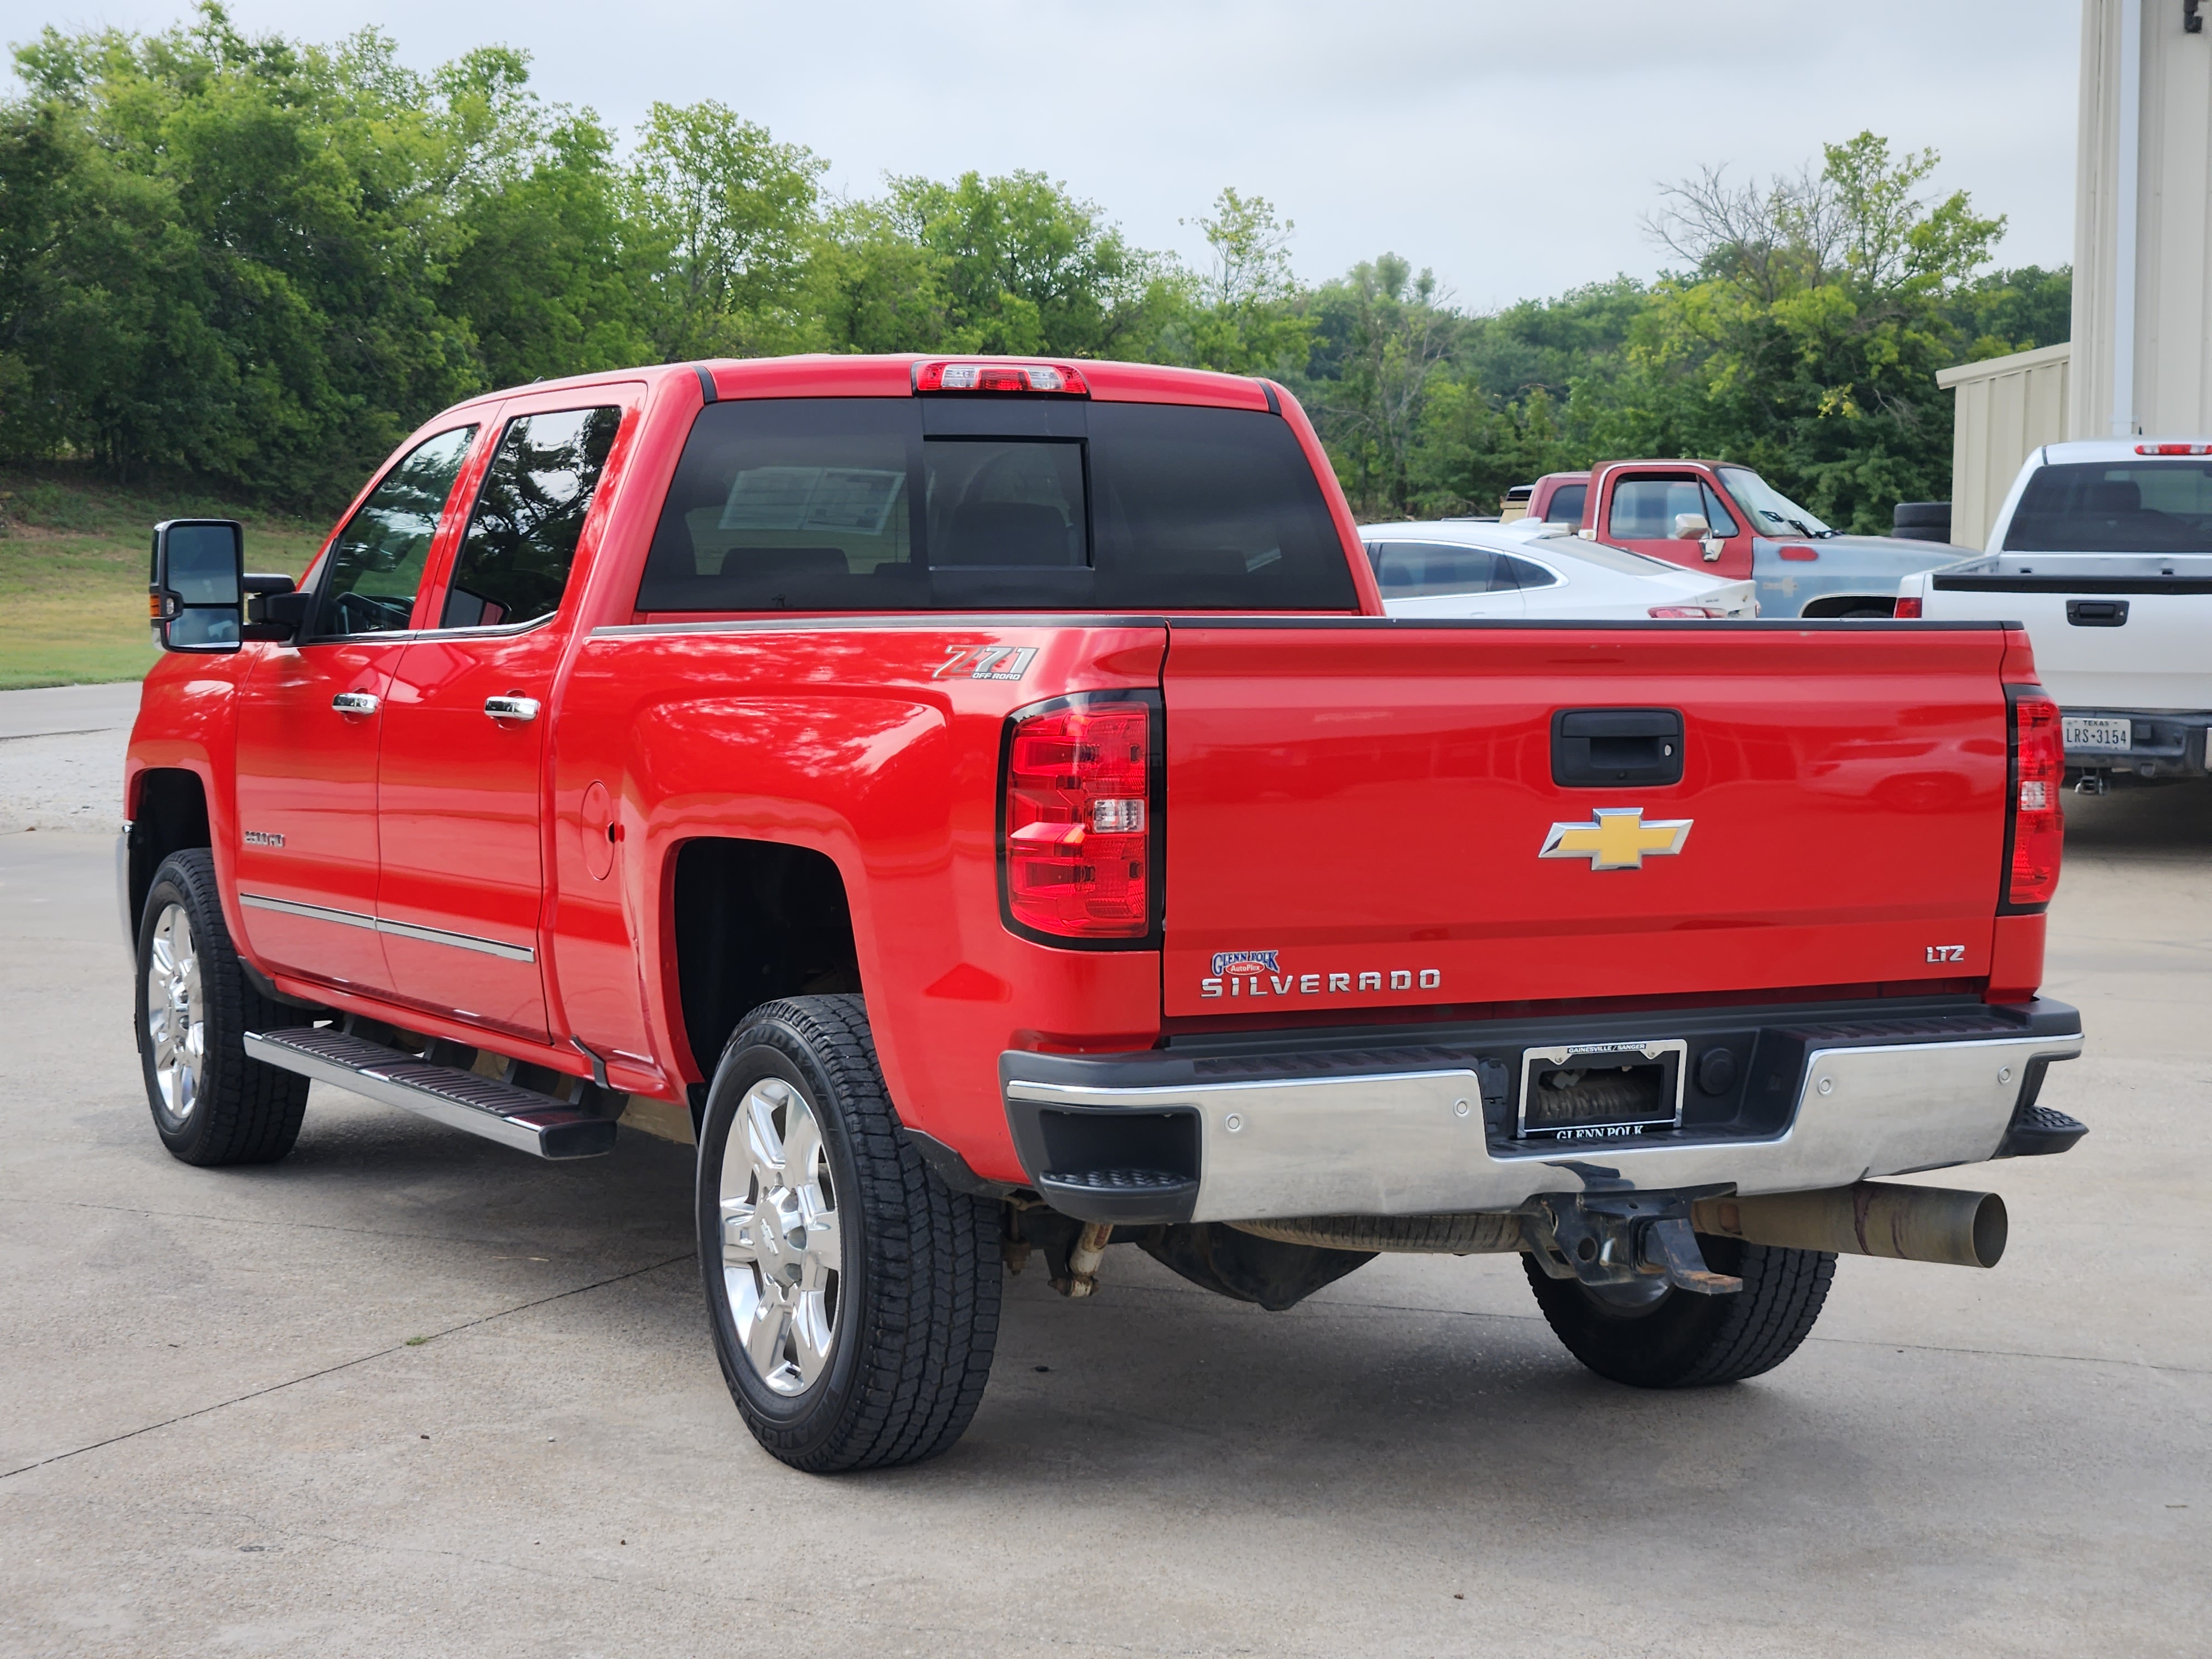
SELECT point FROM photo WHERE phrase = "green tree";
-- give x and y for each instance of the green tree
(2007, 311)
(724, 215)
(1807, 338)
(231, 255)
(1025, 268)
(1245, 318)
(545, 272)
(1382, 336)
(870, 287)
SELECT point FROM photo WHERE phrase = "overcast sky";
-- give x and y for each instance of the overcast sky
(1513, 145)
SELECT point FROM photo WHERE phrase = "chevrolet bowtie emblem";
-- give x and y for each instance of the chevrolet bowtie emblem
(1616, 838)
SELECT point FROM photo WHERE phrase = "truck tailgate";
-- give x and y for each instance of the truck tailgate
(1358, 813)
(2112, 630)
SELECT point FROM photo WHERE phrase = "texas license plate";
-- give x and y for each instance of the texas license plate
(2090, 732)
(1600, 1090)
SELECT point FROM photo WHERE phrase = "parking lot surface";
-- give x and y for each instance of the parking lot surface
(409, 1393)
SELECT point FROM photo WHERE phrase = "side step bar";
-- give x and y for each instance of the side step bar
(514, 1118)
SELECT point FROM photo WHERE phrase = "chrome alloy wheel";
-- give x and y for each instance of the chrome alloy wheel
(782, 1249)
(176, 1013)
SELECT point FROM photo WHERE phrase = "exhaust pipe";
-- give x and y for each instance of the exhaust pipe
(1905, 1224)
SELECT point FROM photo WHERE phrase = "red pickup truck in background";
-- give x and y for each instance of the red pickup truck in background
(1724, 518)
(954, 788)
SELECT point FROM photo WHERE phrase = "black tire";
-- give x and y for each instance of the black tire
(236, 1110)
(914, 1305)
(1686, 1340)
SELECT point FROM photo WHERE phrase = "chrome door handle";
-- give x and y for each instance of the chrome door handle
(510, 708)
(356, 702)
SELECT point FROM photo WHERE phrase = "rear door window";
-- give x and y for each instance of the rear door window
(845, 504)
(513, 564)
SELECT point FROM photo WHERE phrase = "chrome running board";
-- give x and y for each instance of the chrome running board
(519, 1118)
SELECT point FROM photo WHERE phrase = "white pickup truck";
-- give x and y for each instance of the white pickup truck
(2104, 549)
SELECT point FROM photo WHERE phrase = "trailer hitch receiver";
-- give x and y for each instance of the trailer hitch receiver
(1623, 1241)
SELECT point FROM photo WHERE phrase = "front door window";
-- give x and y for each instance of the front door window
(377, 561)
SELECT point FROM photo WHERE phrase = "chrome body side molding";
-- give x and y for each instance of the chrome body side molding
(490, 947)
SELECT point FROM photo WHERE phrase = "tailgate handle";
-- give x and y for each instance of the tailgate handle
(1610, 748)
(2097, 613)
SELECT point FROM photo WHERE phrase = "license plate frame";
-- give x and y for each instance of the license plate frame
(2098, 734)
(1663, 1110)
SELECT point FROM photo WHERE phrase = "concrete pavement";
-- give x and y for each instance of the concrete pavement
(408, 1393)
(61, 756)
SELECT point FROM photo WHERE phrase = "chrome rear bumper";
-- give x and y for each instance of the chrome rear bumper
(1416, 1141)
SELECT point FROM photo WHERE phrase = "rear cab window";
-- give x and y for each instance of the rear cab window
(2144, 506)
(914, 503)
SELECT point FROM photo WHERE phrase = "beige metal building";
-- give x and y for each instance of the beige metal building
(2141, 357)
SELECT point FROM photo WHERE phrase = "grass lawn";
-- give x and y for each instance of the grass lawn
(73, 558)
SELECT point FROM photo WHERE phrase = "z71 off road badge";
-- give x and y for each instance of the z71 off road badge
(987, 662)
(1616, 838)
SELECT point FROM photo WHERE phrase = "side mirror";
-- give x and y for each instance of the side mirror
(197, 598)
(275, 609)
(1691, 527)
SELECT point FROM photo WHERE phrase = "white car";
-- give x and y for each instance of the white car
(1455, 567)
(2104, 549)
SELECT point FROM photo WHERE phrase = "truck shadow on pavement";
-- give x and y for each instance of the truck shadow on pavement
(1437, 1371)
(2160, 819)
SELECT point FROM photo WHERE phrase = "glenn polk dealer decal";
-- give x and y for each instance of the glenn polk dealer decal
(987, 662)
(1259, 974)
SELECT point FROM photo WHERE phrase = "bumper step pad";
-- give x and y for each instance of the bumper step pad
(519, 1118)
(2037, 1131)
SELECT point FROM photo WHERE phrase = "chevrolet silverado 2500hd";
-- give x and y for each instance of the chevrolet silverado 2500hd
(961, 782)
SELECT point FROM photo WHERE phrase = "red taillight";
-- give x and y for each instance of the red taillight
(1907, 606)
(2039, 823)
(1078, 822)
(1000, 376)
(1677, 611)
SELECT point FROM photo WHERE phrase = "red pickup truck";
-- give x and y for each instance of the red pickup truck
(968, 786)
(1721, 517)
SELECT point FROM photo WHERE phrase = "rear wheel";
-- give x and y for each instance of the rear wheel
(1660, 1338)
(211, 1104)
(853, 1297)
